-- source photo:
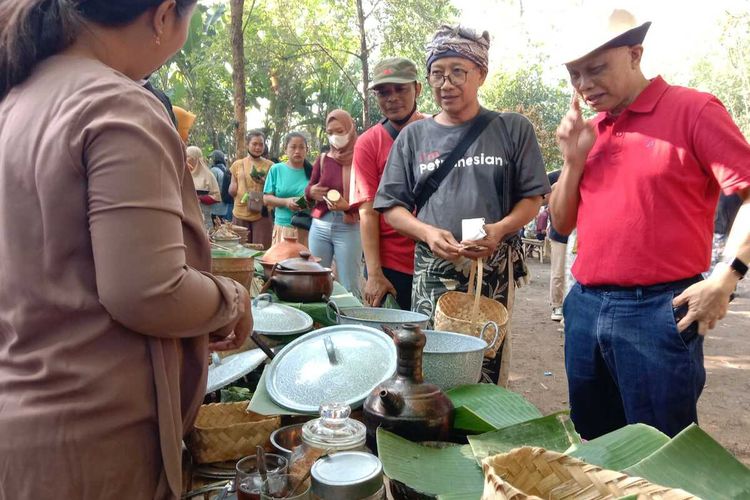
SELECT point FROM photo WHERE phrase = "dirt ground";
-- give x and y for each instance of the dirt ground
(723, 406)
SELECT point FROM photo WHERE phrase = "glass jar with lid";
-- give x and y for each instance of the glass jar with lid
(334, 431)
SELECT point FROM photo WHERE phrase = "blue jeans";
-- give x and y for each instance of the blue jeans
(332, 239)
(626, 362)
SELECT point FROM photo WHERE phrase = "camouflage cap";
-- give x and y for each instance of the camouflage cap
(394, 70)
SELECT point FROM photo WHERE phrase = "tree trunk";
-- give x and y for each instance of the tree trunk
(238, 75)
(364, 54)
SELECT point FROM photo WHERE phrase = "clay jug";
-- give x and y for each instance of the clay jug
(404, 404)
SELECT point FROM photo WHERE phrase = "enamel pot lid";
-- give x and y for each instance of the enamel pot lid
(278, 319)
(339, 363)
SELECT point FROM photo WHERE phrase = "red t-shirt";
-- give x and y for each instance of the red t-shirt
(651, 184)
(370, 156)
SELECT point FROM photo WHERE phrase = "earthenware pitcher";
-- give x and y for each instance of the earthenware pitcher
(404, 404)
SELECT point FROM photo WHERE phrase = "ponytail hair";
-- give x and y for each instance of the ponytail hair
(32, 30)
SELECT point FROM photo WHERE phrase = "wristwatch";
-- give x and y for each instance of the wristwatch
(738, 267)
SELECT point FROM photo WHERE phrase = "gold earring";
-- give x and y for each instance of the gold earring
(157, 39)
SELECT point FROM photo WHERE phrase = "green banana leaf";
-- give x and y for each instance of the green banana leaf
(554, 432)
(473, 495)
(430, 471)
(620, 449)
(487, 407)
(693, 461)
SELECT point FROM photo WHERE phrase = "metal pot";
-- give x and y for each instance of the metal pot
(453, 359)
(300, 280)
(287, 441)
(375, 317)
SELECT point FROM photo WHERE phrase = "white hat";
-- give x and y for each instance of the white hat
(618, 29)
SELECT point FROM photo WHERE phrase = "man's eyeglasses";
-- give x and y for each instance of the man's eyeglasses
(457, 76)
(397, 90)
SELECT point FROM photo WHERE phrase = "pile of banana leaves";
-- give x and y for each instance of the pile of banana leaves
(498, 420)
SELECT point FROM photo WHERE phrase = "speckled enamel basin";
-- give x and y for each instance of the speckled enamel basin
(452, 359)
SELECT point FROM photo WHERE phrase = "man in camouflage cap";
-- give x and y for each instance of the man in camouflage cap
(389, 256)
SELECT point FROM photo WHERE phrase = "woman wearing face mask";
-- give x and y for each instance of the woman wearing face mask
(205, 182)
(334, 235)
(107, 306)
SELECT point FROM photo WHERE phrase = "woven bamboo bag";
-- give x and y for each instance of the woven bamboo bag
(469, 312)
(227, 431)
(531, 473)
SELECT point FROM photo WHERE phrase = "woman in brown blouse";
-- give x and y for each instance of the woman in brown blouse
(106, 308)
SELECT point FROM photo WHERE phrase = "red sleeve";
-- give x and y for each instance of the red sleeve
(720, 146)
(366, 169)
(314, 177)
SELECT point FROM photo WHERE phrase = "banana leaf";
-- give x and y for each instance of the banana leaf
(473, 495)
(554, 432)
(693, 461)
(487, 407)
(430, 471)
(620, 449)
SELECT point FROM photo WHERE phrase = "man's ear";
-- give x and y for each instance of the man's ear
(636, 53)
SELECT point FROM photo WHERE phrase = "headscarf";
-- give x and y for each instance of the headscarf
(203, 179)
(459, 41)
(344, 155)
(218, 157)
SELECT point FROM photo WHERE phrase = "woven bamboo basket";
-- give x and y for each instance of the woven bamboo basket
(534, 473)
(239, 269)
(469, 312)
(227, 431)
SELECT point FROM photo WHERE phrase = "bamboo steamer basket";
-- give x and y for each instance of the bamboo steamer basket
(227, 431)
(240, 269)
(531, 473)
(469, 312)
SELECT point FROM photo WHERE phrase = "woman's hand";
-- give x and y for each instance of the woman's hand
(318, 192)
(340, 205)
(442, 243)
(291, 204)
(234, 335)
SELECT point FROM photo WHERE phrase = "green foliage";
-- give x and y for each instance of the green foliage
(543, 103)
(725, 72)
(198, 79)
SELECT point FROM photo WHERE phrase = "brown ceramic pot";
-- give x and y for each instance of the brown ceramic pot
(404, 404)
(288, 248)
(300, 279)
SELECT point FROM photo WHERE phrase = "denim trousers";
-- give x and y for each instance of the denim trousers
(626, 361)
(333, 240)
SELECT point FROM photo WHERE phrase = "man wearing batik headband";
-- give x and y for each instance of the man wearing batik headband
(500, 178)
(640, 182)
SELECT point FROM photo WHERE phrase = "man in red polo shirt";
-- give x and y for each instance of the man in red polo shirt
(389, 256)
(640, 182)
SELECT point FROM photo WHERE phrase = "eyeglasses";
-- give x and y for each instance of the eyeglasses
(457, 76)
(397, 90)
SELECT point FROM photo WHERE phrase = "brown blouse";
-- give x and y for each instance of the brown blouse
(105, 302)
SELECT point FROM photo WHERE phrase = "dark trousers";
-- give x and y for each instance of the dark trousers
(626, 362)
(402, 283)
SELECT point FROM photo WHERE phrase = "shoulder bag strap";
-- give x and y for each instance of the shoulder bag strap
(388, 126)
(433, 181)
(509, 175)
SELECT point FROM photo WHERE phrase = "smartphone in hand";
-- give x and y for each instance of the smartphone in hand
(302, 202)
